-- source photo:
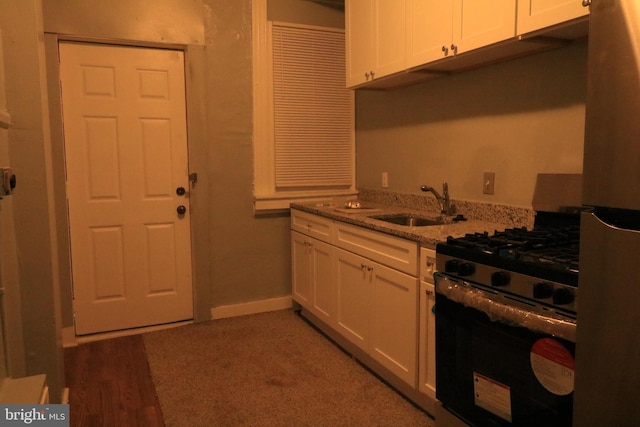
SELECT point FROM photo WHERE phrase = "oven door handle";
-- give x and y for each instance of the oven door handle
(470, 296)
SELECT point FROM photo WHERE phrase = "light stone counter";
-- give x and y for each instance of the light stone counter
(427, 236)
(480, 217)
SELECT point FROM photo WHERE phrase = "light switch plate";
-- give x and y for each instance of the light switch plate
(385, 179)
(488, 183)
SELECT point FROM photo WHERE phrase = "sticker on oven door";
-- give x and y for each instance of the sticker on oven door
(492, 396)
(553, 366)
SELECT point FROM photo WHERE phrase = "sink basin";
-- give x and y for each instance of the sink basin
(408, 220)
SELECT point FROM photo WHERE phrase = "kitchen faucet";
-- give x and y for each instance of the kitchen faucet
(446, 208)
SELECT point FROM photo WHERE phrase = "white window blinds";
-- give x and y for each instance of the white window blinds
(312, 109)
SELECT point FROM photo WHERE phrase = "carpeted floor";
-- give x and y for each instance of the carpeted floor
(270, 369)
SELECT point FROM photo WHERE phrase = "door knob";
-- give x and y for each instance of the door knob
(180, 191)
(181, 210)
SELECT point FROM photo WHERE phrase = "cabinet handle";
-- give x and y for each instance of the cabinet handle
(445, 50)
(366, 75)
(372, 74)
(454, 48)
(586, 3)
(366, 267)
(429, 293)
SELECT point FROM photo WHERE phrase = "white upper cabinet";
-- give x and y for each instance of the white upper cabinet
(478, 23)
(429, 30)
(375, 39)
(392, 43)
(440, 29)
(537, 14)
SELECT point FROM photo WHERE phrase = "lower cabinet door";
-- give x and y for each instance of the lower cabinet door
(312, 284)
(301, 269)
(427, 340)
(377, 311)
(323, 302)
(353, 287)
(394, 322)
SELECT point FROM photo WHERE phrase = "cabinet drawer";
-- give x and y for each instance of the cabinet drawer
(312, 225)
(394, 252)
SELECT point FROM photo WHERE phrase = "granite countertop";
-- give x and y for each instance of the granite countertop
(427, 236)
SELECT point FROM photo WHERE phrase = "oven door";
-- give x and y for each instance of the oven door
(499, 364)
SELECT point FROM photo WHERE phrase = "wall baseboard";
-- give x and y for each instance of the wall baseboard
(69, 337)
(253, 307)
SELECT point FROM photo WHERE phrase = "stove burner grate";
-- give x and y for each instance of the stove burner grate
(552, 247)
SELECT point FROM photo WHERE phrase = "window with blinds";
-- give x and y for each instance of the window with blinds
(312, 109)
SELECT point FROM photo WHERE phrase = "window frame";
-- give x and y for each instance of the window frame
(266, 196)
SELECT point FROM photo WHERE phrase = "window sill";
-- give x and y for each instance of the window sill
(265, 204)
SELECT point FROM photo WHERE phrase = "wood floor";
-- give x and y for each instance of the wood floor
(110, 384)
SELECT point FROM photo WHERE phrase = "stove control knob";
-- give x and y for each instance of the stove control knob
(500, 278)
(466, 269)
(563, 296)
(451, 266)
(542, 290)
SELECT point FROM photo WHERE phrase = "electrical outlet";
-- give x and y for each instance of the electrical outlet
(385, 179)
(488, 182)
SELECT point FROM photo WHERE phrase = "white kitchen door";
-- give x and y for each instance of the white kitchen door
(127, 184)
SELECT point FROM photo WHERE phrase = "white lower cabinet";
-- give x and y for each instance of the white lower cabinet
(427, 328)
(394, 310)
(377, 311)
(363, 284)
(354, 298)
(312, 279)
(427, 353)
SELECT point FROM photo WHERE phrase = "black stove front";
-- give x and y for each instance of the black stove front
(539, 264)
(506, 307)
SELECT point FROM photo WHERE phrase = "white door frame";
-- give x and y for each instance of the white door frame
(149, 46)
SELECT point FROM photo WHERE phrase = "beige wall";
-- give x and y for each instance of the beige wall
(171, 23)
(238, 257)
(517, 119)
(304, 12)
(30, 267)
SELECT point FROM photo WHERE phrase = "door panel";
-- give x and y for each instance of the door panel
(354, 288)
(479, 23)
(429, 29)
(393, 326)
(126, 152)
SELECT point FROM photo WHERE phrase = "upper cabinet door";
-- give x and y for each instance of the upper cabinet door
(537, 14)
(445, 28)
(359, 33)
(429, 31)
(389, 30)
(479, 23)
(375, 39)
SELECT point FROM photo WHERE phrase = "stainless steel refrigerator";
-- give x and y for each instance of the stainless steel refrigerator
(607, 381)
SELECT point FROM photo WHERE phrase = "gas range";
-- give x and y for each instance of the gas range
(537, 268)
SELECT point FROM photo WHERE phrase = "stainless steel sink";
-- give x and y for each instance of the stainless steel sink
(407, 220)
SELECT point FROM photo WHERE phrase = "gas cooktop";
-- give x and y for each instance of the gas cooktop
(547, 252)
